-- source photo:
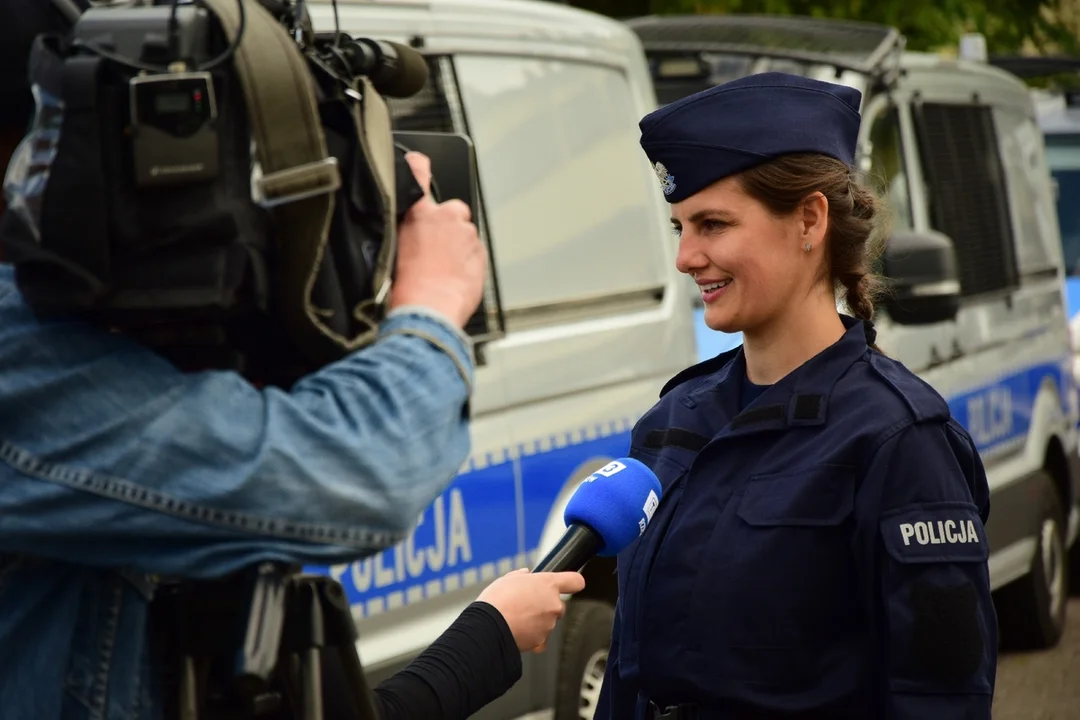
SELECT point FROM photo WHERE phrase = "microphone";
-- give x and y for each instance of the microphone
(394, 69)
(610, 510)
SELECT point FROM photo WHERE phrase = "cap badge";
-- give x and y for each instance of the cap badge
(667, 182)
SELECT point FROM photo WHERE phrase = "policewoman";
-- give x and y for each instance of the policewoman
(819, 551)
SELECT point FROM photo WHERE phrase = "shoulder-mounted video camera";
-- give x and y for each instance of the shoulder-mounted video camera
(219, 181)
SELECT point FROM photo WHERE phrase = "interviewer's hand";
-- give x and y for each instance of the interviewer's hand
(531, 603)
(441, 262)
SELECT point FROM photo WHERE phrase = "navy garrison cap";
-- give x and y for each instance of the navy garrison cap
(727, 129)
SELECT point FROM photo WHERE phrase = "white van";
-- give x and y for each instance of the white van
(978, 308)
(585, 316)
(1058, 113)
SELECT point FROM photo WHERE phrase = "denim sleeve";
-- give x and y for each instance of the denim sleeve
(109, 456)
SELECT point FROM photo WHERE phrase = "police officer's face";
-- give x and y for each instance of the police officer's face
(750, 265)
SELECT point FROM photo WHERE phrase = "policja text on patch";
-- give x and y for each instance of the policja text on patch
(947, 531)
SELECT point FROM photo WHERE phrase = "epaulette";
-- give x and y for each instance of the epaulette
(702, 368)
(923, 401)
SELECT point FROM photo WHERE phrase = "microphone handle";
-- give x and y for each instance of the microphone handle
(575, 548)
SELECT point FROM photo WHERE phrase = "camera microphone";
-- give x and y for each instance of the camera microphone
(394, 69)
(610, 510)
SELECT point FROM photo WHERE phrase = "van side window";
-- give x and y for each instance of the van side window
(1063, 160)
(576, 213)
(966, 192)
(1022, 153)
(427, 110)
(888, 174)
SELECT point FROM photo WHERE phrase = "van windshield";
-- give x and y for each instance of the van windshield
(1063, 157)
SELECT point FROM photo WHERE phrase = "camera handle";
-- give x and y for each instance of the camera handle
(268, 645)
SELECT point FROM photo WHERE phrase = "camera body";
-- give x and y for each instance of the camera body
(218, 181)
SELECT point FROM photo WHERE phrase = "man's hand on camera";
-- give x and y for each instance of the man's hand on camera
(441, 262)
(531, 603)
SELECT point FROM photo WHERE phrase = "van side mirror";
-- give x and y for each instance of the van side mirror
(923, 285)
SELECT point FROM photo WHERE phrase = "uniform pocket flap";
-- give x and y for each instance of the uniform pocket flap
(818, 496)
(943, 532)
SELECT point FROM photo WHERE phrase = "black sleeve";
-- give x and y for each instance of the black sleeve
(472, 664)
(936, 622)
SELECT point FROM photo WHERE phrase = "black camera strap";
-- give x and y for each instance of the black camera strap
(299, 177)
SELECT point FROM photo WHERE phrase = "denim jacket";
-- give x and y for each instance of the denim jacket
(116, 468)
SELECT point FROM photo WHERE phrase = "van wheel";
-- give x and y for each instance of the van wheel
(1074, 569)
(583, 659)
(1031, 610)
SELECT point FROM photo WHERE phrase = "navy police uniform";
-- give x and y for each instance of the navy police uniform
(819, 550)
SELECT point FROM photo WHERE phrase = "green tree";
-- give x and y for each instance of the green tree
(1009, 25)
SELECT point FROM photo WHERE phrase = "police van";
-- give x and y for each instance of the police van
(584, 318)
(1058, 112)
(975, 260)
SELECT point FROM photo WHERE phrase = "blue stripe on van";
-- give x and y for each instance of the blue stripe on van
(474, 532)
(1000, 413)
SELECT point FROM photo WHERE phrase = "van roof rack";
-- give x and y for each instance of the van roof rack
(870, 48)
(1028, 66)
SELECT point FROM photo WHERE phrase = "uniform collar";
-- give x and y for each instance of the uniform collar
(799, 399)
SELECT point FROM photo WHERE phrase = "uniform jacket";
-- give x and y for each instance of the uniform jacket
(116, 468)
(820, 553)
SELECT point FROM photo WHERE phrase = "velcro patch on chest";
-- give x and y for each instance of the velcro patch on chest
(935, 533)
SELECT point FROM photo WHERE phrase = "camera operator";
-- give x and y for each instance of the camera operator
(116, 468)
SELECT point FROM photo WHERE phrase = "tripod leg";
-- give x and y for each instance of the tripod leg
(345, 693)
(320, 632)
(189, 693)
(313, 687)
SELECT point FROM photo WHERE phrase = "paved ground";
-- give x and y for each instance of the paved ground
(1044, 685)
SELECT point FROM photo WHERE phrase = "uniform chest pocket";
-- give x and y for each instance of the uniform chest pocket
(794, 522)
(821, 496)
(780, 574)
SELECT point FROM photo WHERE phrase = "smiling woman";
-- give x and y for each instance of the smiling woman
(820, 548)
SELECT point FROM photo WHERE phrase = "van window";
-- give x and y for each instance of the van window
(573, 206)
(429, 109)
(1026, 172)
(1063, 157)
(888, 173)
(966, 192)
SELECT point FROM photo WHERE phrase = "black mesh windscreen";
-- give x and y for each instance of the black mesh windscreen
(967, 193)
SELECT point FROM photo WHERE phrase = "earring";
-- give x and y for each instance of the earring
(807, 247)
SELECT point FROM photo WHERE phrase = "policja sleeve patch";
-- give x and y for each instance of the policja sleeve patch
(939, 554)
(935, 532)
